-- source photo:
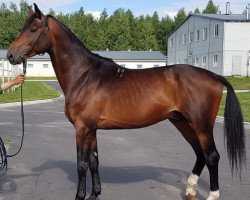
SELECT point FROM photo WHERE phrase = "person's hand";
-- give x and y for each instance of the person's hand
(19, 79)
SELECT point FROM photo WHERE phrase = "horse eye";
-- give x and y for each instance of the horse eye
(33, 29)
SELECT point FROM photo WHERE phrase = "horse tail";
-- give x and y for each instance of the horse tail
(234, 134)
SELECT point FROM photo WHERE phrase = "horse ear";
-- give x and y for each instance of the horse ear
(38, 11)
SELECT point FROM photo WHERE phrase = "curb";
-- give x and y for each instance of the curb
(237, 91)
(6, 105)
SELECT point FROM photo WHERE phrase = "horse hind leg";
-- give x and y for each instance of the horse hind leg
(212, 161)
(189, 134)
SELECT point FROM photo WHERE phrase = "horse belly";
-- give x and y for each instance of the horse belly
(132, 117)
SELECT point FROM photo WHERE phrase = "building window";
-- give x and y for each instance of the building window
(196, 61)
(139, 66)
(204, 62)
(204, 33)
(30, 65)
(123, 65)
(191, 37)
(215, 61)
(198, 35)
(184, 39)
(184, 61)
(171, 42)
(216, 30)
(45, 65)
(156, 65)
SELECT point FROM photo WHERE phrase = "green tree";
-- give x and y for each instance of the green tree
(101, 37)
(52, 12)
(24, 6)
(166, 27)
(119, 32)
(144, 37)
(197, 11)
(3, 8)
(210, 8)
(180, 17)
(13, 7)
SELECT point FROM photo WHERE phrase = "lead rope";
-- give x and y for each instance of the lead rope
(3, 153)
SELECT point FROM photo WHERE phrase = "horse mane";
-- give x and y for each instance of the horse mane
(67, 30)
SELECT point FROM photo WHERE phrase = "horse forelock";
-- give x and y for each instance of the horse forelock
(28, 21)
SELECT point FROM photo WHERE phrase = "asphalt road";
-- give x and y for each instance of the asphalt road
(140, 164)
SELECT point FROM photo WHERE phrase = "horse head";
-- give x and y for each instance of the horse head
(34, 38)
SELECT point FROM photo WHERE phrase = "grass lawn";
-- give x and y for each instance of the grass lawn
(31, 91)
(40, 78)
(240, 83)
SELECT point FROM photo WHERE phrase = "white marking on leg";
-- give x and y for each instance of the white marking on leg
(95, 154)
(214, 195)
(192, 185)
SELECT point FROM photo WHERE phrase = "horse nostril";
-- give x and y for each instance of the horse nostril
(9, 56)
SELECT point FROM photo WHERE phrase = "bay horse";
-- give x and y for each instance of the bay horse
(100, 94)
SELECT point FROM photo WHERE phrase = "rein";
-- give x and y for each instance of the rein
(3, 153)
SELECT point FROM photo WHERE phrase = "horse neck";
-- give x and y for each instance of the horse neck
(68, 56)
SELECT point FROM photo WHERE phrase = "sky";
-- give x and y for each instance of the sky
(139, 7)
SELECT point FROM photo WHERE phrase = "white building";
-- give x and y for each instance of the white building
(41, 66)
(217, 42)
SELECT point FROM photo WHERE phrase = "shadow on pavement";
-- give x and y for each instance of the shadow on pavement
(128, 174)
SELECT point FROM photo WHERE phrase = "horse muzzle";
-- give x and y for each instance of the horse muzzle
(15, 58)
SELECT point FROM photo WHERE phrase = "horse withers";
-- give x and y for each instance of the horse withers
(98, 97)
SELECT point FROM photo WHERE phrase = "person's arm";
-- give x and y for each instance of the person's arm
(19, 79)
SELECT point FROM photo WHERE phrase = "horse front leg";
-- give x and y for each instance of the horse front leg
(83, 150)
(94, 168)
(82, 167)
(87, 157)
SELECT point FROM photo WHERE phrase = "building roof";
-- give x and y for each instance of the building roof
(115, 55)
(221, 17)
(224, 17)
(132, 55)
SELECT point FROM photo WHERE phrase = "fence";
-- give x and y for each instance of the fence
(8, 72)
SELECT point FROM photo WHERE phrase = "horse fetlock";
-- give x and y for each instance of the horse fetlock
(80, 197)
(94, 195)
(214, 195)
(192, 185)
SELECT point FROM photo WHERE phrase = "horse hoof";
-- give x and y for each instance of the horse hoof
(190, 197)
(79, 198)
(92, 197)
